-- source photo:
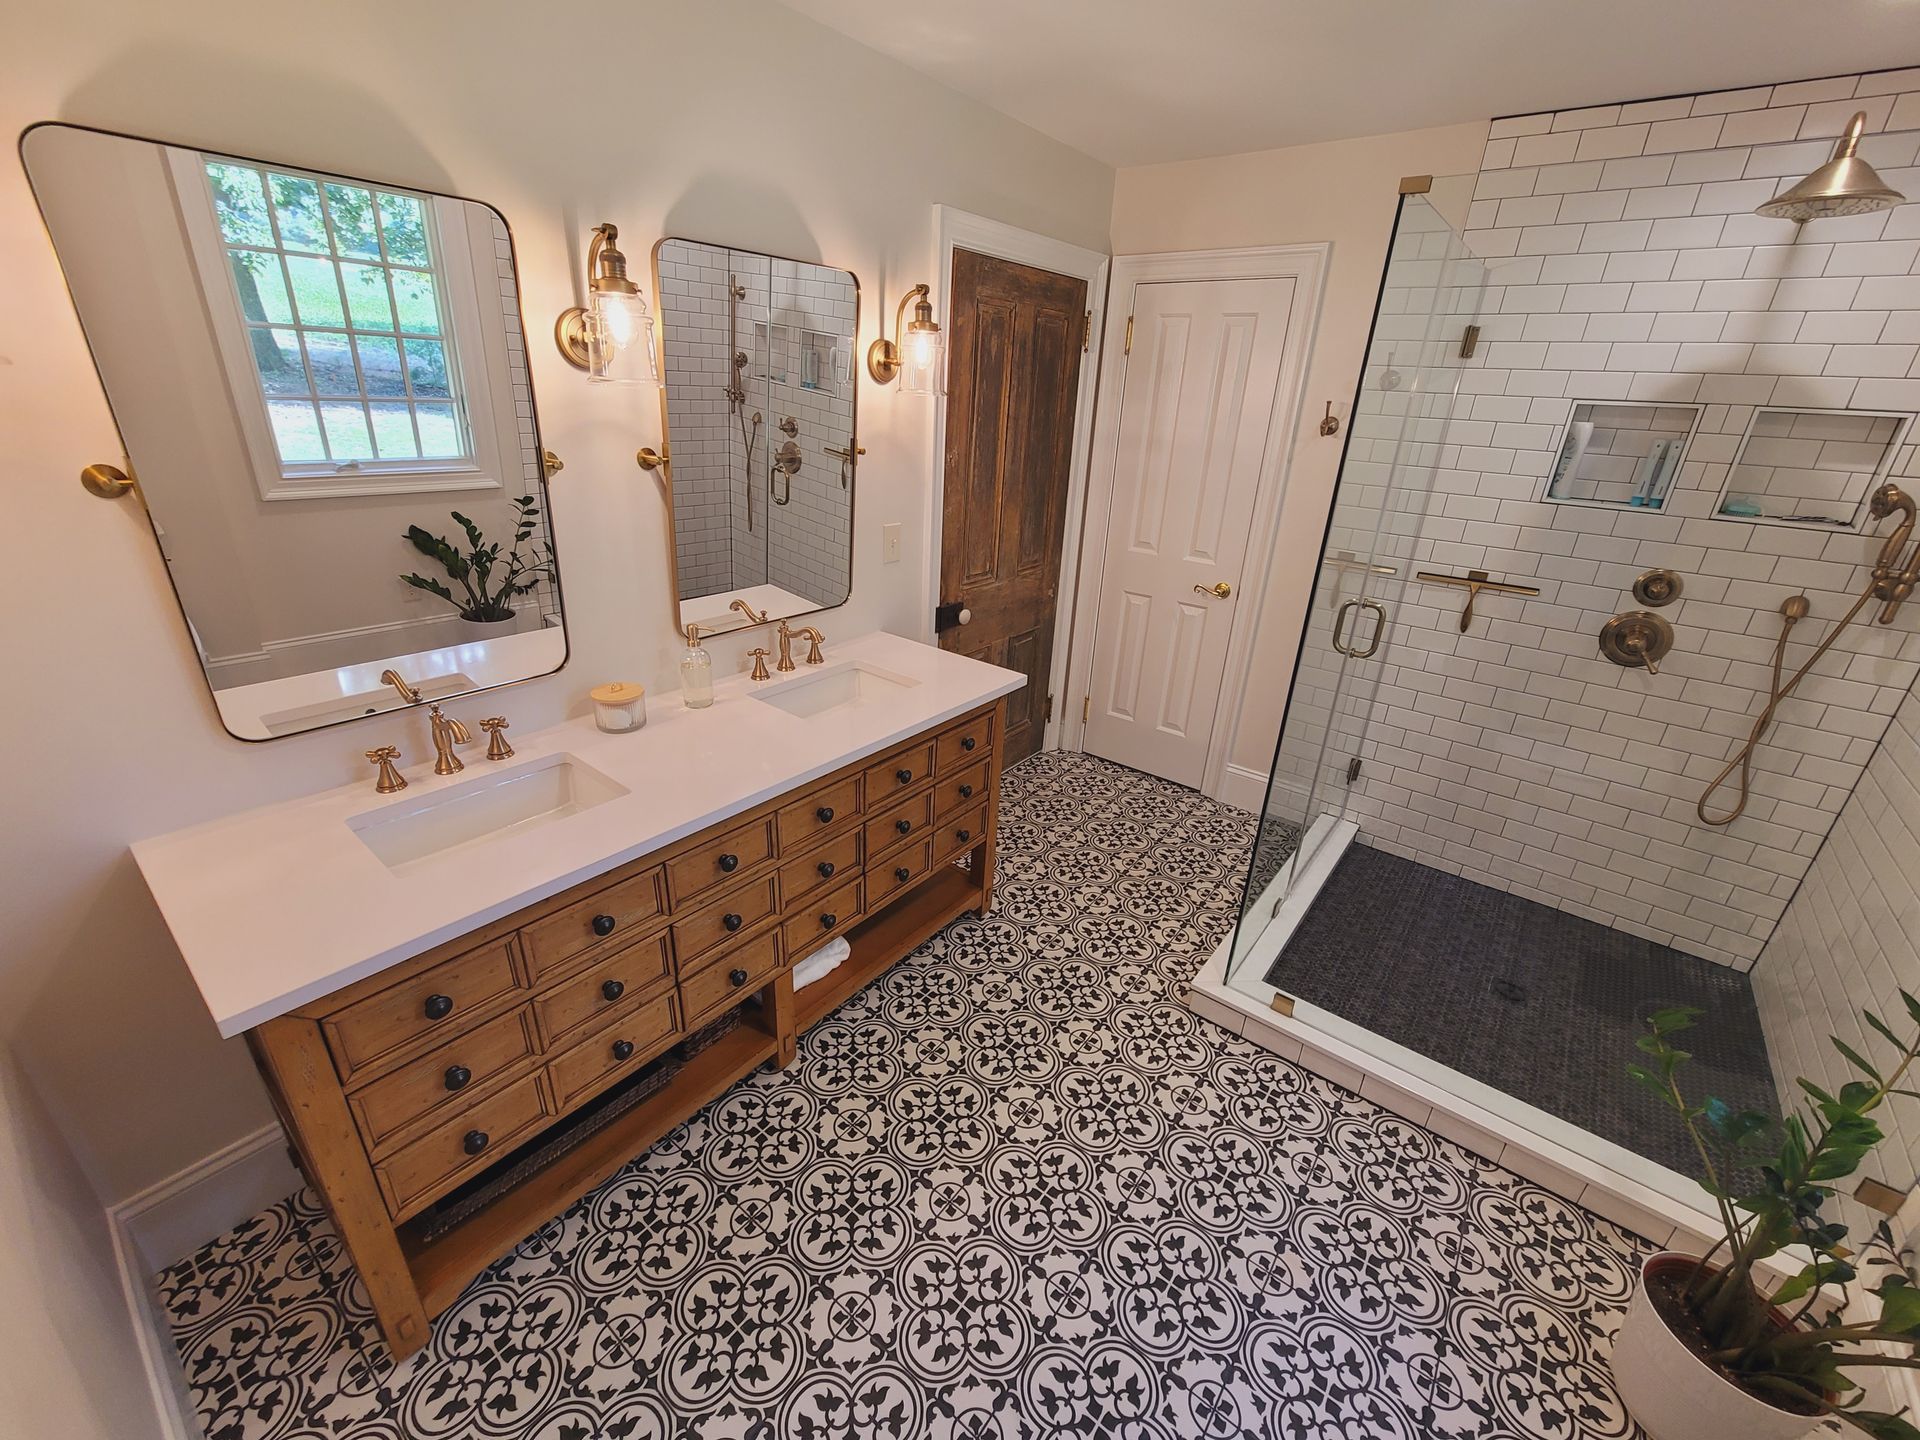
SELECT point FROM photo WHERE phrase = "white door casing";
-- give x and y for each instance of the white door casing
(1199, 399)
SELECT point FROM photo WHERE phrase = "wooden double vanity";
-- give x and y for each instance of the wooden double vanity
(447, 1105)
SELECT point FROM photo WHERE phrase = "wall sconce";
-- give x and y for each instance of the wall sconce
(914, 355)
(611, 339)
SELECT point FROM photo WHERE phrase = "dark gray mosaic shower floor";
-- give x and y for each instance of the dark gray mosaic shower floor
(1013, 1190)
(1539, 1003)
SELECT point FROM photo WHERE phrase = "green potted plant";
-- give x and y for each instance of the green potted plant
(489, 579)
(1720, 1347)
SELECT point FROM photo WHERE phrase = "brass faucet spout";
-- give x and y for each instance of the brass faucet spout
(1892, 581)
(398, 681)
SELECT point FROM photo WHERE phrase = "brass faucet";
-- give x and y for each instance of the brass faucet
(786, 648)
(497, 746)
(747, 610)
(399, 682)
(447, 733)
(814, 639)
(759, 655)
(389, 779)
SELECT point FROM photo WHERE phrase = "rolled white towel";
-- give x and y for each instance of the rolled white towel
(821, 963)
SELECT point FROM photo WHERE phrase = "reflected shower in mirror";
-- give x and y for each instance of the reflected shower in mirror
(760, 415)
(321, 384)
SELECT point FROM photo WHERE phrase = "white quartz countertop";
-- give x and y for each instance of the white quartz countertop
(280, 906)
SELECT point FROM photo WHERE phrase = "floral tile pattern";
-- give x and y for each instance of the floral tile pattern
(1013, 1190)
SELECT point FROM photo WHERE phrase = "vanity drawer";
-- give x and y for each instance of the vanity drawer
(960, 832)
(615, 913)
(706, 866)
(443, 1078)
(721, 921)
(955, 792)
(887, 877)
(804, 875)
(900, 823)
(591, 1064)
(439, 999)
(418, 1173)
(730, 976)
(963, 744)
(823, 918)
(805, 820)
(899, 773)
(613, 982)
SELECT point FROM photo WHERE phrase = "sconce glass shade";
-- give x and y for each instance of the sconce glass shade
(620, 339)
(923, 354)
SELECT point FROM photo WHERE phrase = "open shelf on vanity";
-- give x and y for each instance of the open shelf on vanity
(880, 940)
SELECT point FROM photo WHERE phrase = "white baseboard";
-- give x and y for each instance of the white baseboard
(1242, 788)
(172, 1219)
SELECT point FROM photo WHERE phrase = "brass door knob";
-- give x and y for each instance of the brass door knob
(1220, 591)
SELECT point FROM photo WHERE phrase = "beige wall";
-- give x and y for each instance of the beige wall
(1343, 193)
(108, 729)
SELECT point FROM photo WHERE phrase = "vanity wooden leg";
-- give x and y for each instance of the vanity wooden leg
(292, 1054)
(785, 1020)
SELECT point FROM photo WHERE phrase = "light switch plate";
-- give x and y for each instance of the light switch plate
(890, 543)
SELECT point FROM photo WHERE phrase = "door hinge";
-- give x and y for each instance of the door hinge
(1469, 341)
(1049, 715)
(1128, 349)
(1086, 333)
(1353, 769)
(1086, 710)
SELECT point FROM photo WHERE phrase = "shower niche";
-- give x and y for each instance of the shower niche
(1814, 468)
(1617, 453)
(760, 410)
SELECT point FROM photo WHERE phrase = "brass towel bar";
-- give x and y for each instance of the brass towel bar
(1475, 581)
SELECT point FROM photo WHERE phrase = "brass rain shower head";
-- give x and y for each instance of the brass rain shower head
(1845, 185)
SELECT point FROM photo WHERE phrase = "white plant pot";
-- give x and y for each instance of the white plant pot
(1676, 1396)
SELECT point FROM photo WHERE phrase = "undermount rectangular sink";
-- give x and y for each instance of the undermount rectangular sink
(489, 807)
(841, 688)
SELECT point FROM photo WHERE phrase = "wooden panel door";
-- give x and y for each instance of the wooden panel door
(1196, 405)
(1013, 378)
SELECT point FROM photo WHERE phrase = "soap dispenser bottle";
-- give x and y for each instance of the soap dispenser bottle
(696, 673)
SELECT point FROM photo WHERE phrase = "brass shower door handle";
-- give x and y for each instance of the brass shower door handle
(1220, 590)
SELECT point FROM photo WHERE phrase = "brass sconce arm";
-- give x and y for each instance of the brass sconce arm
(884, 362)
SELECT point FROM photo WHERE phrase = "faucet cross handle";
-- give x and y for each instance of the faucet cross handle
(389, 779)
(760, 671)
(497, 746)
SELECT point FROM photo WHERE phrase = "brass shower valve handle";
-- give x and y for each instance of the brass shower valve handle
(1637, 638)
(497, 746)
(389, 779)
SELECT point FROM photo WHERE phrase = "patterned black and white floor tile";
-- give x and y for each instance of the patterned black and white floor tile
(1014, 1190)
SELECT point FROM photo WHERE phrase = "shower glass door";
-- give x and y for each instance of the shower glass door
(1398, 444)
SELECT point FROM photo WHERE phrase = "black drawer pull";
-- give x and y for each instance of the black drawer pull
(729, 863)
(475, 1142)
(902, 874)
(966, 792)
(458, 1076)
(903, 826)
(614, 989)
(623, 1049)
(438, 1007)
(825, 812)
(603, 925)
(732, 922)
(825, 867)
(904, 776)
(736, 977)
(968, 743)
(963, 835)
(829, 920)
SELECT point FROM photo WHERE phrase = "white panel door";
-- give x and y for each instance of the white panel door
(1196, 404)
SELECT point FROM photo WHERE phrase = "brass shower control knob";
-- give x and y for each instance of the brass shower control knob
(1636, 638)
(1657, 588)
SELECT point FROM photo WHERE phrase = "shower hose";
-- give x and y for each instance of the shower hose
(1793, 609)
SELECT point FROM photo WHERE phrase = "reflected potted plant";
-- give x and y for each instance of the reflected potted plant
(490, 577)
(1717, 1347)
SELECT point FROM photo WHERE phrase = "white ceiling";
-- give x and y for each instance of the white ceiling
(1134, 82)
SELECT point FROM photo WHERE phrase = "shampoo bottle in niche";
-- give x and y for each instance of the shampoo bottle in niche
(696, 673)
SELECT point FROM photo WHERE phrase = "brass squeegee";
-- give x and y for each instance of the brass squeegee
(1475, 581)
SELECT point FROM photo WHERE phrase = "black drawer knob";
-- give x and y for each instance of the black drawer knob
(623, 1049)
(966, 792)
(825, 812)
(902, 874)
(904, 776)
(732, 922)
(968, 743)
(825, 867)
(475, 1142)
(614, 989)
(736, 977)
(729, 863)
(963, 835)
(903, 826)
(603, 925)
(829, 920)
(458, 1076)
(438, 1007)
